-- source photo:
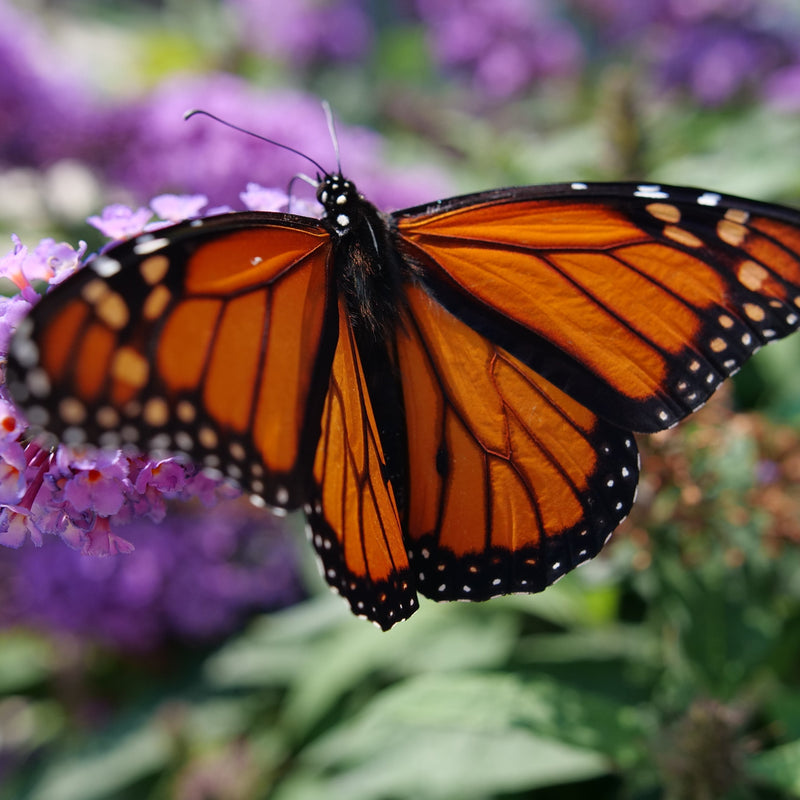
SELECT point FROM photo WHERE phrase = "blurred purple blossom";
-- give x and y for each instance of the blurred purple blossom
(117, 221)
(304, 31)
(46, 112)
(144, 144)
(195, 577)
(503, 46)
(716, 61)
(783, 88)
(160, 151)
(715, 49)
(177, 207)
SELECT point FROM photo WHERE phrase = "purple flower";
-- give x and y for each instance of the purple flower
(257, 198)
(196, 577)
(45, 111)
(503, 46)
(158, 148)
(177, 207)
(14, 527)
(98, 483)
(714, 49)
(50, 261)
(120, 222)
(783, 88)
(716, 61)
(304, 31)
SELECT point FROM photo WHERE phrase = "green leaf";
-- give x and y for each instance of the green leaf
(465, 735)
(119, 761)
(25, 660)
(779, 768)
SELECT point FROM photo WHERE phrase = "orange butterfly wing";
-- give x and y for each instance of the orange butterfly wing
(636, 303)
(352, 515)
(511, 482)
(215, 340)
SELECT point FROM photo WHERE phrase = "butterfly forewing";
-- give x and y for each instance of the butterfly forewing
(213, 338)
(637, 301)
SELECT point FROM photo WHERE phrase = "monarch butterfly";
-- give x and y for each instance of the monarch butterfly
(449, 391)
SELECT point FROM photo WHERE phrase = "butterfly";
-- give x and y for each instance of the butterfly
(449, 391)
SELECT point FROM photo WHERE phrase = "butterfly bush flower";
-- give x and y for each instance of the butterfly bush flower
(305, 31)
(82, 495)
(117, 221)
(45, 111)
(783, 88)
(715, 49)
(158, 147)
(195, 582)
(503, 46)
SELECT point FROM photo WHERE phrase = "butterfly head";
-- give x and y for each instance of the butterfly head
(341, 201)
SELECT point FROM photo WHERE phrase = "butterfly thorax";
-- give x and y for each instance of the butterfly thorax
(368, 272)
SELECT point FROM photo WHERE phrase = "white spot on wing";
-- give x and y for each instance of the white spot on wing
(105, 266)
(650, 190)
(709, 199)
(144, 246)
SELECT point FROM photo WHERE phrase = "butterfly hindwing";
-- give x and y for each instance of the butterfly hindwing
(352, 514)
(637, 301)
(512, 483)
(212, 337)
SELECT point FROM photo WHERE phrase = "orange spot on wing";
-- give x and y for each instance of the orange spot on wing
(184, 346)
(59, 338)
(231, 386)
(295, 328)
(94, 355)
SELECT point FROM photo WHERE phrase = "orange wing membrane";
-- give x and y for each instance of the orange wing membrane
(511, 482)
(215, 340)
(637, 303)
(352, 515)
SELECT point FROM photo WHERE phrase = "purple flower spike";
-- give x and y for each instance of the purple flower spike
(14, 527)
(177, 207)
(120, 222)
(503, 46)
(102, 541)
(304, 31)
(99, 483)
(257, 198)
(196, 577)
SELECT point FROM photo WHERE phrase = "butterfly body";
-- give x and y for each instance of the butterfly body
(449, 391)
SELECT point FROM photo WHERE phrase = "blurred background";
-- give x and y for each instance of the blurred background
(212, 663)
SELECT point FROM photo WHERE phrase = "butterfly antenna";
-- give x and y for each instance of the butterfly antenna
(299, 177)
(326, 107)
(195, 111)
